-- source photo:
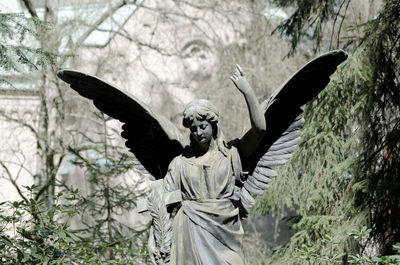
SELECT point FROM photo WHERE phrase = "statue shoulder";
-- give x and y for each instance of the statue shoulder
(233, 146)
(176, 161)
(233, 143)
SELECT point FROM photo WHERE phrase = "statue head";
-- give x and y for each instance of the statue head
(202, 110)
(202, 117)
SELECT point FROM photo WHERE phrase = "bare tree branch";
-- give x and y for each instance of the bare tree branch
(95, 25)
(31, 9)
(13, 182)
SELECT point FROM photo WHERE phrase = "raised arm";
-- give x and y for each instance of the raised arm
(250, 141)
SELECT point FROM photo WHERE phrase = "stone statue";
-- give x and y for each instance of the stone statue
(203, 187)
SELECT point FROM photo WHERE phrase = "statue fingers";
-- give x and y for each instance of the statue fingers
(234, 77)
(236, 73)
(239, 70)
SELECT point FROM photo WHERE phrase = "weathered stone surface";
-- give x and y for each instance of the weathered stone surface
(205, 186)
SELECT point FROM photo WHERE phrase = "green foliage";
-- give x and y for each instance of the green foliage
(108, 198)
(36, 229)
(34, 234)
(379, 162)
(40, 235)
(307, 21)
(309, 255)
(19, 50)
(317, 183)
(345, 176)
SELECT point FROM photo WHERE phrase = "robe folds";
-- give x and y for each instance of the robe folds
(206, 228)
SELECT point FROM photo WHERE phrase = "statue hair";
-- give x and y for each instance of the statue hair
(202, 109)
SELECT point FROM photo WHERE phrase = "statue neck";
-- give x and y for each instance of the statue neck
(201, 149)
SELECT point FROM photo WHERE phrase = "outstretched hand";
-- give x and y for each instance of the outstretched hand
(240, 81)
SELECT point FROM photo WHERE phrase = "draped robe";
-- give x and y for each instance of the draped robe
(206, 228)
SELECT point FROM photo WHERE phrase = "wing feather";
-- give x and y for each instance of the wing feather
(269, 157)
(259, 184)
(253, 190)
(151, 137)
(261, 177)
(266, 172)
(287, 137)
(283, 116)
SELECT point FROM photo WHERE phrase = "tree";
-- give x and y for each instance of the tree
(345, 177)
(167, 48)
(59, 143)
(14, 29)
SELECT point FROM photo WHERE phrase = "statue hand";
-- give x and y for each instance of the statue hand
(240, 81)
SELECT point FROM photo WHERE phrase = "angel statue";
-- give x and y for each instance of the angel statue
(202, 187)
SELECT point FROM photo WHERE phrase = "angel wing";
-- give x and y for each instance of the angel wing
(283, 117)
(151, 137)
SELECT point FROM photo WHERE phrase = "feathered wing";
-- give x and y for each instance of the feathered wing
(278, 154)
(151, 137)
(283, 117)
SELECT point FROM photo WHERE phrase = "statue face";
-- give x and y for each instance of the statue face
(201, 131)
